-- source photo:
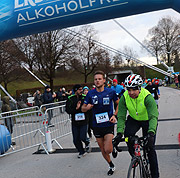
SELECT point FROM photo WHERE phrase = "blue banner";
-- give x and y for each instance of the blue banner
(25, 17)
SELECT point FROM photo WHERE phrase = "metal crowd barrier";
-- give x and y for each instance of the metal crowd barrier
(27, 128)
(43, 107)
(58, 124)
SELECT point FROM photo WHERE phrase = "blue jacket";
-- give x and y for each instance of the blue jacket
(119, 89)
(47, 96)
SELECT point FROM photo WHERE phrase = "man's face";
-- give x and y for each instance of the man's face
(99, 80)
(149, 83)
(79, 91)
(114, 84)
(133, 93)
(48, 89)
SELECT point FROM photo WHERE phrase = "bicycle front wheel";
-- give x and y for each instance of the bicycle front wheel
(135, 169)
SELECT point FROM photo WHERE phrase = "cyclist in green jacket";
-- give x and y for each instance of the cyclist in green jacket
(143, 114)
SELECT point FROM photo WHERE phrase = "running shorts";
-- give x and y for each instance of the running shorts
(100, 132)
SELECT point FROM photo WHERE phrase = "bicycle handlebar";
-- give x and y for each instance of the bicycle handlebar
(140, 140)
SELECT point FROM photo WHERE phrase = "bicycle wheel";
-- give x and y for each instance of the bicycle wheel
(135, 169)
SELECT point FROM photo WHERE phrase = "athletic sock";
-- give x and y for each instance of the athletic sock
(111, 169)
(111, 164)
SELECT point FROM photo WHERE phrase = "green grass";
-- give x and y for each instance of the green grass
(61, 80)
(20, 85)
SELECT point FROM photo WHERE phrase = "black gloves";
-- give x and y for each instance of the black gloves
(114, 153)
(115, 142)
(151, 139)
(117, 139)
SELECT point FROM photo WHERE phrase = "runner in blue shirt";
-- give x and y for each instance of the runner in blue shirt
(100, 100)
(119, 89)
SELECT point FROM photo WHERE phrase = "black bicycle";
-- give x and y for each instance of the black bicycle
(139, 166)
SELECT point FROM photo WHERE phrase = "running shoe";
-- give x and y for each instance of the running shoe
(80, 155)
(88, 148)
(111, 171)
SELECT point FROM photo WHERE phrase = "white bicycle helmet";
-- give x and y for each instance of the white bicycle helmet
(133, 81)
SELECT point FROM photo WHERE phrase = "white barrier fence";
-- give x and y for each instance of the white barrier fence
(43, 107)
(59, 123)
(30, 128)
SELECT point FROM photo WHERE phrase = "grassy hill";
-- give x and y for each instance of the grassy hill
(62, 79)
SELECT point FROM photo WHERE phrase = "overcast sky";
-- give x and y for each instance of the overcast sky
(138, 25)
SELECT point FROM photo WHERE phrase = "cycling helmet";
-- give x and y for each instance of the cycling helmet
(133, 81)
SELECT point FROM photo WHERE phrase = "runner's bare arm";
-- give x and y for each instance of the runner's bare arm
(113, 118)
(86, 107)
(116, 111)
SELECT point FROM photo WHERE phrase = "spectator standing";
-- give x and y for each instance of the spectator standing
(154, 90)
(79, 120)
(93, 87)
(167, 80)
(176, 81)
(100, 100)
(48, 98)
(37, 98)
(122, 84)
(119, 89)
(156, 81)
(144, 84)
(153, 80)
(179, 79)
(6, 108)
(68, 93)
(64, 93)
(108, 85)
(60, 96)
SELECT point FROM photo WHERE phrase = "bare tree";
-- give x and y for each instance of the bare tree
(105, 61)
(130, 55)
(118, 60)
(163, 39)
(46, 52)
(154, 46)
(87, 54)
(9, 65)
(26, 45)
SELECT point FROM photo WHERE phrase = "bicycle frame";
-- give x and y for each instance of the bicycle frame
(139, 157)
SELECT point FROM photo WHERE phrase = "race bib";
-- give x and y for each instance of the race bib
(102, 117)
(106, 101)
(79, 117)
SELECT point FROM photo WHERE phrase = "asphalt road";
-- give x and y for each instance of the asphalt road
(25, 164)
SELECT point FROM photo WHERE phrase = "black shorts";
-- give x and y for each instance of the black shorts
(100, 132)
